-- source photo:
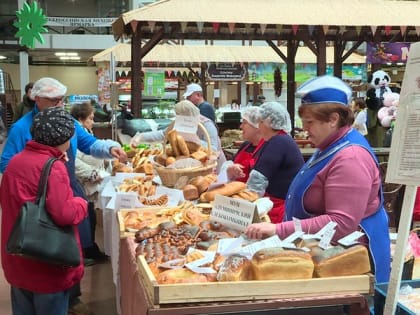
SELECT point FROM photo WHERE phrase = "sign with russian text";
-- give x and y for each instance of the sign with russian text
(79, 21)
(234, 213)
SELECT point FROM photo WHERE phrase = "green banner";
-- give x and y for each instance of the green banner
(154, 83)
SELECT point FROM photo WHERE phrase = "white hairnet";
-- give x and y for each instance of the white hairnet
(186, 108)
(48, 87)
(276, 116)
(252, 115)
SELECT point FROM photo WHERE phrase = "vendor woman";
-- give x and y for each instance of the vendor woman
(341, 182)
(244, 159)
(278, 161)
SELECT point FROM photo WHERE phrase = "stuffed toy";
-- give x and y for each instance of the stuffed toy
(388, 112)
(379, 80)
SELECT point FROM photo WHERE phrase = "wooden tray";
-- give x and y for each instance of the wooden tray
(249, 290)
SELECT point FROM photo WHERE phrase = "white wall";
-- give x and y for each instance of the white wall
(79, 80)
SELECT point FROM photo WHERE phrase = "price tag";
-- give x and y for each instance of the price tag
(329, 226)
(127, 200)
(351, 238)
(232, 212)
(297, 224)
(251, 249)
(326, 238)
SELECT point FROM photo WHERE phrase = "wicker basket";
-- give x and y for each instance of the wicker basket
(169, 176)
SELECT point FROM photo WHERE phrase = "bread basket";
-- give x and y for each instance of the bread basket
(169, 176)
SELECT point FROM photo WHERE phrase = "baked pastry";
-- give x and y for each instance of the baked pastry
(193, 146)
(200, 156)
(235, 268)
(225, 190)
(340, 261)
(181, 275)
(190, 192)
(172, 137)
(279, 264)
(182, 146)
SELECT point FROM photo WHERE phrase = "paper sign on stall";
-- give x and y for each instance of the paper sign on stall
(404, 166)
(126, 200)
(187, 126)
(234, 213)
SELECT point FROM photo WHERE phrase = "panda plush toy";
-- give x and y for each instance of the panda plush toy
(379, 80)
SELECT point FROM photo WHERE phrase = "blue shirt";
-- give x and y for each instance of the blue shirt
(207, 110)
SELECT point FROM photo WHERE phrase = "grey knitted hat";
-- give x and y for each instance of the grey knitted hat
(53, 126)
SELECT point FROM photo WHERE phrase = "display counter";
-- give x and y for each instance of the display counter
(135, 300)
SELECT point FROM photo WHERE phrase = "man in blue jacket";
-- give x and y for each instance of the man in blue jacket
(48, 92)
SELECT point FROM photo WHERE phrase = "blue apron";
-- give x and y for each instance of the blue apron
(375, 226)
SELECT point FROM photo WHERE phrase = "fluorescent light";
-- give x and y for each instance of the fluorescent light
(2, 57)
(64, 54)
(69, 57)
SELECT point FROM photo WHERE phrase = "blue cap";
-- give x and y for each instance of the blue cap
(325, 89)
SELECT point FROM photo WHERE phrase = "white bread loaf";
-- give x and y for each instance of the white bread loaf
(339, 261)
(279, 264)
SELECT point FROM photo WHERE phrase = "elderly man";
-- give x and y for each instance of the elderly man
(48, 92)
(194, 94)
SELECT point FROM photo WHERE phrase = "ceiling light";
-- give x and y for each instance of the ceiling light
(63, 54)
(69, 57)
(2, 57)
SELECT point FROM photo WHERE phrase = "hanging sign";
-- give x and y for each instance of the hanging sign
(226, 72)
(79, 21)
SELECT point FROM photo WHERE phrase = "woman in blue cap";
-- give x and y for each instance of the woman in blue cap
(341, 182)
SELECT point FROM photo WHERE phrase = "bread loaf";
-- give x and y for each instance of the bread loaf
(279, 264)
(225, 190)
(182, 146)
(193, 146)
(235, 268)
(181, 275)
(172, 137)
(340, 261)
(190, 192)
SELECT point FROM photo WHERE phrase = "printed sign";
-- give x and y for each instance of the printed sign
(234, 213)
(384, 53)
(226, 72)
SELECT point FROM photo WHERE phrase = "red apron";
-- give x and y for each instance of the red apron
(246, 159)
(276, 214)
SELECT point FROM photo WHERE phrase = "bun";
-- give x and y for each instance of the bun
(225, 190)
(340, 261)
(200, 156)
(279, 264)
(190, 192)
(182, 146)
(169, 160)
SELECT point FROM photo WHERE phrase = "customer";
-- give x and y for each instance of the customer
(260, 100)
(48, 92)
(90, 171)
(194, 94)
(244, 159)
(360, 115)
(341, 182)
(186, 108)
(26, 105)
(38, 287)
(279, 159)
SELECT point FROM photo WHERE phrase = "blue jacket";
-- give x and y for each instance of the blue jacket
(20, 133)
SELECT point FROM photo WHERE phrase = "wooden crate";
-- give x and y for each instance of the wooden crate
(249, 290)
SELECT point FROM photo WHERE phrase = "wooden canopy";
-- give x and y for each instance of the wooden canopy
(316, 23)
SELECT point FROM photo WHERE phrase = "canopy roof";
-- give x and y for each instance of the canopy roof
(236, 16)
(198, 54)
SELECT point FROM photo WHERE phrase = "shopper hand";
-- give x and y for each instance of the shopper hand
(119, 154)
(260, 230)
